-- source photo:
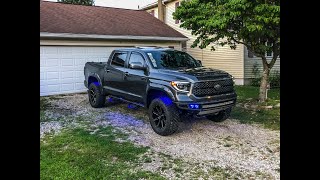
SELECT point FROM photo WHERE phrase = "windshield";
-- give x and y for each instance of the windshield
(172, 60)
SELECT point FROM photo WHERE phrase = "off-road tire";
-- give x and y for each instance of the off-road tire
(220, 116)
(96, 98)
(170, 118)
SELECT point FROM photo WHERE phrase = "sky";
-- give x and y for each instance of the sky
(127, 4)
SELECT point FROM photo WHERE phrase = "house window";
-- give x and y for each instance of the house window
(152, 12)
(269, 53)
(184, 46)
(177, 4)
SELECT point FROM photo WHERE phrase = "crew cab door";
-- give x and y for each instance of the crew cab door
(136, 79)
(114, 73)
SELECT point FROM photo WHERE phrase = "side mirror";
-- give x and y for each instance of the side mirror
(199, 62)
(137, 65)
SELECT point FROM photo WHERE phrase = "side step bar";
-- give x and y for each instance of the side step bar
(131, 102)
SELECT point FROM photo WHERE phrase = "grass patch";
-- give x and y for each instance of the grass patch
(77, 154)
(247, 97)
(44, 105)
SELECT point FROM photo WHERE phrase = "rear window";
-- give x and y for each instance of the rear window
(119, 58)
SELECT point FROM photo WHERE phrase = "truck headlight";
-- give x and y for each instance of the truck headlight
(181, 86)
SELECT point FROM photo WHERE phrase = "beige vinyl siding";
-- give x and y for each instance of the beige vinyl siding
(249, 63)
(155, 11)
(222, 58)
(128, 43)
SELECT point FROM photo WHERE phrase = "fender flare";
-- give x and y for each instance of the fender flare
(159, 87)
(95, 75)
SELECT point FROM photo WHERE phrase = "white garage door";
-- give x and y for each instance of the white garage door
(61, 67)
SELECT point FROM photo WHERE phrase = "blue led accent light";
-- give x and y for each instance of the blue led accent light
(194, 106)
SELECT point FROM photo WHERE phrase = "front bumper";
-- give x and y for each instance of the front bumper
(210, 106)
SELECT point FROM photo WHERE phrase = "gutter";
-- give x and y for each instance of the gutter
(155, 4)
(108, 37)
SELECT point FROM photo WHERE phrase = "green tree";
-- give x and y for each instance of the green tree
(78, 2)
(253, 23)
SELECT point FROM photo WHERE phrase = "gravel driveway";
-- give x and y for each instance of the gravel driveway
(248, 150)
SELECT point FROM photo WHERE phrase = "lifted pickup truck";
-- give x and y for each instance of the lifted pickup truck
(170, 83)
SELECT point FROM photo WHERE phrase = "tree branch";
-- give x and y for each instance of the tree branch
(275, 55)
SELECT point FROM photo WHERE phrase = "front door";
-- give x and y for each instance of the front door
(135, 79)
(114, 74)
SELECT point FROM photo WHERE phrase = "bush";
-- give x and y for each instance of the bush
(274, 80)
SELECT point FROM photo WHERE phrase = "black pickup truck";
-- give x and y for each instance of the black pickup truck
(170, 83)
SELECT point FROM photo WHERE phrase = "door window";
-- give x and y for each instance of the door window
(119, 58)
(135, 57)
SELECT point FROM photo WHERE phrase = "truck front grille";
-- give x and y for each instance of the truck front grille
(209, 88)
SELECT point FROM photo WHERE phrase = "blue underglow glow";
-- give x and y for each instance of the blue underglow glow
(166, 100)
(131, 106)
(96, 83)
(194, 106)
(110, 99)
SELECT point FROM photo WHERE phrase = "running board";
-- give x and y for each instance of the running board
(131, 102)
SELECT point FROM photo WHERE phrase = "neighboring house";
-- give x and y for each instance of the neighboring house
(71, 35)
(236, 62)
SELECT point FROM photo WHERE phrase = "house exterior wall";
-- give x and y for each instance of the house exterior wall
(155, 11)
(250, 62)
(223, 58)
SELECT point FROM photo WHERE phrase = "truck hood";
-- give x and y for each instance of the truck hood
(196, 74)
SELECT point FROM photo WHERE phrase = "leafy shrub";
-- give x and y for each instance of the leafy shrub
(274, 78)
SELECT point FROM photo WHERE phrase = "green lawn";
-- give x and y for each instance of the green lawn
(250, 111)
(77, 154)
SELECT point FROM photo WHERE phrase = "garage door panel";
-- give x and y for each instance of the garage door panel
(52, 50)
(65, 51)
(42, 75)
(66, 62)
(78, 74)
(80, 61)
(79, 86)
(67, 87)
(67, 80)
(61, 67)
(51, 62)
(69, 74)
(52, 75)
(53, 88)
(52, 82)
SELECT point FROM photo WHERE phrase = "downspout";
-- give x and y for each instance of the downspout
(160, 11)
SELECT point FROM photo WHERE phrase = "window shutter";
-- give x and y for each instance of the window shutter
(177, 4)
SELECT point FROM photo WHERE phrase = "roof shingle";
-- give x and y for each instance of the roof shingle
(78, 19)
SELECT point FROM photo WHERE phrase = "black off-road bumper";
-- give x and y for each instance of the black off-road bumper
(204, 107)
